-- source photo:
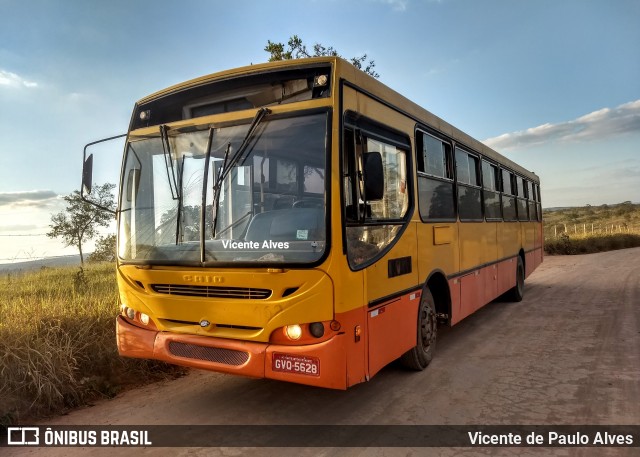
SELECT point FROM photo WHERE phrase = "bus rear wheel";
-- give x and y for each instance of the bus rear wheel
(419, 357)
(516, 293)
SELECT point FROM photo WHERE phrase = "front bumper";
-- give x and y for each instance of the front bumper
(245, 358)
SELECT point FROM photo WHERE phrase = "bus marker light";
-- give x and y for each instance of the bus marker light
(357, 332)
(293, 332)
(335, 326)
(320, 80)
(204, 323)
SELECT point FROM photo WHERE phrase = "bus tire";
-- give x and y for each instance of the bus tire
(420, 356)
(516, 293)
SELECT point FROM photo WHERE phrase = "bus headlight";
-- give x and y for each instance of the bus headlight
(144, 318)
(293, 332)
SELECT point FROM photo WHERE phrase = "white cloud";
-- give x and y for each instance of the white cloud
(397, 5)
(9, 79)
(596, 125)
(28, 197)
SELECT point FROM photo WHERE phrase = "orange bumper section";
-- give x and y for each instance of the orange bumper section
(245, 358)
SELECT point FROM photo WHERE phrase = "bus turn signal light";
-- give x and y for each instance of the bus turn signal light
(131, 313)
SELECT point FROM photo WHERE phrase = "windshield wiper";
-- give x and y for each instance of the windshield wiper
(203, 207)
(171, 174)
(175, 182)
(216, 190)
(260, 115)
(179, 215)
(233, 161)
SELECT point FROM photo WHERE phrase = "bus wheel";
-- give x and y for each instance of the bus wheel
(516, 293)
(420, 356)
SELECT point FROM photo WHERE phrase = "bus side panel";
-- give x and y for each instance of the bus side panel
(355, 344)
(506, 275)
(437, 248)
(509, 234)
(471, 293)
(477, 289)
(478, 244)
(454, 290)
(490, 275)
(392, 330)
(529, 263)
(528, 236)
(539, 243)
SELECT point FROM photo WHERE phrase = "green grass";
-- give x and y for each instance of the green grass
(57, 342)
(588, 229)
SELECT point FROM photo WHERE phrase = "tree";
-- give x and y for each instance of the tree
(80, 219)
(297, 50)
(105, 249)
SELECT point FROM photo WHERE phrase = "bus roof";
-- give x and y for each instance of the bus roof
(345, 70)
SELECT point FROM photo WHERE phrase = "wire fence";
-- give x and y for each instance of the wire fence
(556, 230)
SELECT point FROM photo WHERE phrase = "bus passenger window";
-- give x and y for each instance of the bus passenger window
(469, 193)
(435, 179)
(491, 184)
(523, 214)
(508, 198)
(372, 225)
(395, 201)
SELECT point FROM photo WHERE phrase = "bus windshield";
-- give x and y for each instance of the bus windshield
(270, 203)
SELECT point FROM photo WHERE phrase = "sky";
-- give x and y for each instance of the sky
(553, 85)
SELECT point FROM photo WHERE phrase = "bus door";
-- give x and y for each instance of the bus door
(380, 238)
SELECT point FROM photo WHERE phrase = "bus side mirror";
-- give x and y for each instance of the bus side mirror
(104, 151)
(87, 174)
(373, 176)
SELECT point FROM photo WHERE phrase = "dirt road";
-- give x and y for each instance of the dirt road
(569, 353)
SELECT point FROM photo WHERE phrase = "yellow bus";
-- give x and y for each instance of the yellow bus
(301, 221)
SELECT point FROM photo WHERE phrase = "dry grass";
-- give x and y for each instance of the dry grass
(57, 342)
(587, 244)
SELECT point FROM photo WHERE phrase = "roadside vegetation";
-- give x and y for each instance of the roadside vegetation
(57, 342)
(588, 229)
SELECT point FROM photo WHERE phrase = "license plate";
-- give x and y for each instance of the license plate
(298, 364)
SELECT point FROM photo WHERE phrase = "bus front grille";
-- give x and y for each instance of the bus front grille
(210, 354)
(212, 291)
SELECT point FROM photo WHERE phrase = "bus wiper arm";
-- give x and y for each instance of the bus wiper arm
(229, 163)
(171, 172)
(179, 215)
(216, 190)
(260, 115)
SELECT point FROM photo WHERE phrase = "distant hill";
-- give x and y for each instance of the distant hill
(59, 261)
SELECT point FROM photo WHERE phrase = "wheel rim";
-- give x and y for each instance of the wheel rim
(427, 328)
